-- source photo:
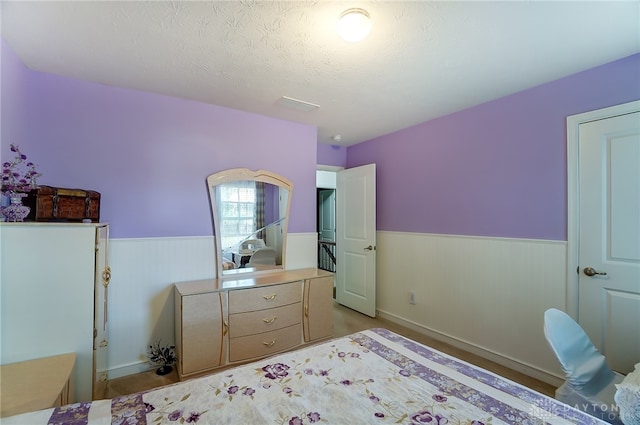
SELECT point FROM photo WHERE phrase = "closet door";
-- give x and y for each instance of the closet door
(101, 313)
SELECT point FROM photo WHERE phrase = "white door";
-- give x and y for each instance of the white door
(356, 239)
(609, 237)
(327, 215)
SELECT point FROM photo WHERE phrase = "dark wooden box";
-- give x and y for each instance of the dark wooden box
(49, 203)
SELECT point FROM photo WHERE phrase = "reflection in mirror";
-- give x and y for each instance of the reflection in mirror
(250, 212)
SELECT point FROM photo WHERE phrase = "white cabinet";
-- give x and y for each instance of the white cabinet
(54, 279)
(220, 322)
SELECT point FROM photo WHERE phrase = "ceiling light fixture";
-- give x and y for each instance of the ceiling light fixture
(354, 24)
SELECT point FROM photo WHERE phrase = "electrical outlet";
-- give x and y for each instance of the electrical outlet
(412, 297)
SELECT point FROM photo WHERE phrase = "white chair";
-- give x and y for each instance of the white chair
(252, 245)
(590, 383)
(263, 256)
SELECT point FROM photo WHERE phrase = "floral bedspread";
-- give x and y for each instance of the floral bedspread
(370, 377)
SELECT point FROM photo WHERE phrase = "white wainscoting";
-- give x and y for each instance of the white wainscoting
(141, 289)
(485, 295)
(302, 250)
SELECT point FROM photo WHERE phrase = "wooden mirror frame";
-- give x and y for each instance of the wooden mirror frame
(245, 174)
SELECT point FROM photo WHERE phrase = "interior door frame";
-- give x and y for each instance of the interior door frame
(331, 169)
(573, 134)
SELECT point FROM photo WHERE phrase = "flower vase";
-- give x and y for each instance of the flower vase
(15, 211)
(164, 370)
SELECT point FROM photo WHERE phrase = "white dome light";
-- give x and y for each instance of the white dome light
(354, 25)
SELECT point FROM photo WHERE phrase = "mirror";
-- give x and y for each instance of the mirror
(250, 212)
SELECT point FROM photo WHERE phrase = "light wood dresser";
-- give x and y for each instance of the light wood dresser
(221, 322)
(36, 384)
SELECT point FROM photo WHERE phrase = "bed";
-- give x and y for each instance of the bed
(369, 377)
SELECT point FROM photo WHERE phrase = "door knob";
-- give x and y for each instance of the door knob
(590, 271)
(369, 248)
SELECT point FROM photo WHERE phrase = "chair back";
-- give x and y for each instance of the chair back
(579, 358)
(266, 256)
(252, 244)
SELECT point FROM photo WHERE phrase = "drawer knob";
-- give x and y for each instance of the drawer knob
(269, 321)
(269, 343)
(270, 297)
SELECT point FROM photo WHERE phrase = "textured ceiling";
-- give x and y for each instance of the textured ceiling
(422, 60)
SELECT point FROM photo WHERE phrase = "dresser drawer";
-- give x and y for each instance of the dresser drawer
(264, 344)
(253, 322)
(260, 298)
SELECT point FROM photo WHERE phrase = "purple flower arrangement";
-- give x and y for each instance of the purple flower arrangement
(16, 180)
(163, 356)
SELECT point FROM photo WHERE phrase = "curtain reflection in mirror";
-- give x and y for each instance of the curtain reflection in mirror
(259, 208)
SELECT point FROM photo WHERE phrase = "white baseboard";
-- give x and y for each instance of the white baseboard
(130, 369)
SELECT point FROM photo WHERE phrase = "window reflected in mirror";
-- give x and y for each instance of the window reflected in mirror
(250, 215)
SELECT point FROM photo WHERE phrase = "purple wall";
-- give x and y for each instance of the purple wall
(13, 105)
(149, 155)
(497, 169)
(332, 155)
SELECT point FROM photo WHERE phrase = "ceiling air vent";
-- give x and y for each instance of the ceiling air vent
(300, 105)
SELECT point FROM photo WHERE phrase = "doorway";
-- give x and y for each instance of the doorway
(326, 217)
(349, 199)
(326, 226)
